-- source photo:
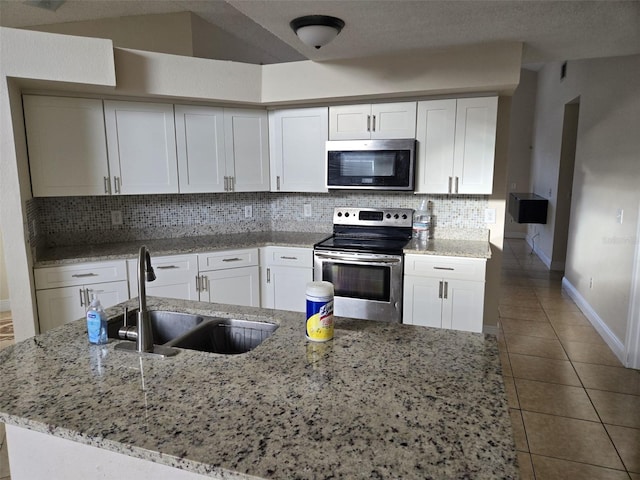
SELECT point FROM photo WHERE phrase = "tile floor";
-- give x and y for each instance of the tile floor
(575, 409)
(6, 339)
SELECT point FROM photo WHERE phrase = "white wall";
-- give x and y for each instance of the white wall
(520, 142)
(4, 287)
(607, 178)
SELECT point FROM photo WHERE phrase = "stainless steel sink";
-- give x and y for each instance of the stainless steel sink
(165, 325)
(225, 335)
(199, 332)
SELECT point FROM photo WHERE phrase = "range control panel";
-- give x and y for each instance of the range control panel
(380, 217)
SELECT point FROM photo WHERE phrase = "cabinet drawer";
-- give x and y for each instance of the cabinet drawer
(445, 267)
(79, 274)
(169, 270)
(288, 256)
(228, 259)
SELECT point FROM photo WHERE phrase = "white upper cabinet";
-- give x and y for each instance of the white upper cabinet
(247, 150)
(375, 121)
(297, 149)
(456, 145)
(142, 147)
(67, 146)
(200, 149)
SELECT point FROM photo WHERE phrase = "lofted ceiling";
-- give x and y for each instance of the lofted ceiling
(550, 30)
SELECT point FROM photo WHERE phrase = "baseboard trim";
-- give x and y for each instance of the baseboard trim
(602, 328)
(5, 305)
(490, 329)
(519, 235)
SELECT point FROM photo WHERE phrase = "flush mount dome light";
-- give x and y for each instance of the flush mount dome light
(316, 30)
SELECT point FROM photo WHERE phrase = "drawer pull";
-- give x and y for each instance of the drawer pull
(440, 289)
(444, 268)
(84, 275)
(235, 259)
(446, 290)
(167, 267)
(288, 258)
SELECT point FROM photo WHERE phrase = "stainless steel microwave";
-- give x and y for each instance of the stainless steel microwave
(371, 164)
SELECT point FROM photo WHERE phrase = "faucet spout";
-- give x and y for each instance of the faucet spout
(144, 341)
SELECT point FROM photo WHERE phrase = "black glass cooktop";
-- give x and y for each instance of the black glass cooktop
(389, 246)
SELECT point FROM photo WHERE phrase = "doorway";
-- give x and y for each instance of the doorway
(565, 184)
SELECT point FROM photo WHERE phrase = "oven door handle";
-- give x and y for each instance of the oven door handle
(357, 259)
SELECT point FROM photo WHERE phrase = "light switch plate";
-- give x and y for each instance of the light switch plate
(116, 217)
(307, 210)
(489, 215)
(248, 211)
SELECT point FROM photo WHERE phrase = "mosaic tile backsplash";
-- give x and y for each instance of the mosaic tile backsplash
(81, 220)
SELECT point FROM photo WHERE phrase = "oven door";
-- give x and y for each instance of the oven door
(366, 285)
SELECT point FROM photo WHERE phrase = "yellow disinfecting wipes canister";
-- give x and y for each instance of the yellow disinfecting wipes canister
(319, 326)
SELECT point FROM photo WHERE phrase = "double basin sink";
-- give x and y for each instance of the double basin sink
(199, 332)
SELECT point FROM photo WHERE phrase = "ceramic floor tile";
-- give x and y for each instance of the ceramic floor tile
(558, 317)
(612, 379)
(527, 328)
(523, 313)
(547, 468)
(535, 346)
(543, 369)
(559, 304)
(570, 439)
(591, 353)
(519, 435)
(634, 476)
(617, 408)
(505, 362)
(555, 399)
(627, 442)
(578, 333)
(510, 389)
(526, 467)
(519, 301)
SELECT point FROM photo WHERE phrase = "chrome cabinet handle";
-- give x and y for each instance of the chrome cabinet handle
(204, 282)
(278, 182)
(450, 183)
(231, 184)
(81, 290)
(444, 268)
(225, 183)
(198, 287)
(440, 289)
(283, 257)
(446, 290)
(167, 267)
(106, 185)
(268, 275)
(116, 184)
(368, 123)
(83, 275)
(236, 259)
(373, 124)
(457, 178)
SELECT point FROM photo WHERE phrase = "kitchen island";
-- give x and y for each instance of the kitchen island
(378, 401)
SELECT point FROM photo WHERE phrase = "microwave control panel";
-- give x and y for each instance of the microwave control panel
(382, 217)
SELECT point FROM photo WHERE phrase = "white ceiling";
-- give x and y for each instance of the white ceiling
(550, 30)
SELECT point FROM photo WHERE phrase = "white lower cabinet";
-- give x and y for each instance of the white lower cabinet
(444, 292)
(285, 272)
(63, 293)
(230, 277)
(175, 277)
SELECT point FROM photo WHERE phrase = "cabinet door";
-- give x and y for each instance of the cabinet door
(393, 120)
(350, 122)
(436, 126)
(284, 288)
(475, 144)
(67, 146)
(142, 147)
(236, 286)
(200, 148)
(422, 304)
(111, 293)
(247, 149)
(175, 277)
(462, 307)
(297, 146)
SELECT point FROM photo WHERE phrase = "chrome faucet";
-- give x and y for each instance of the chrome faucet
(142, 333)
(144, 340)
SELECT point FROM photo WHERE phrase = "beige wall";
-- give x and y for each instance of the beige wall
(606, 178)
(4, 287)
(520, 140)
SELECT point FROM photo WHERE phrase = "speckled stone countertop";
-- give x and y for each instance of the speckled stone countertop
(380, 400)
(173, 246)
(448, 247)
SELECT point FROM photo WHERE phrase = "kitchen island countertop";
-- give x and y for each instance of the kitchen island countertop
(380, 400)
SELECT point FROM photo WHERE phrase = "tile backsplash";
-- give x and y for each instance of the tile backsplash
(55, 221)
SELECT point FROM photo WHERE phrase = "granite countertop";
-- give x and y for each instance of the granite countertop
(380, 400)
(450, 247)
(63, 255)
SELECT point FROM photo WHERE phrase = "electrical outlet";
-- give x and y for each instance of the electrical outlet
(490, 215)
(513, 186)
(116, 217)
(307, 210)
(591, 282)
(549, 193)
(248, 211)
(619, 215)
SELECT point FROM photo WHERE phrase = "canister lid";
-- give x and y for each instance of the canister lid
(319, 289)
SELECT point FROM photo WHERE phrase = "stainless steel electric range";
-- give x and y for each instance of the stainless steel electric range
(364, 260)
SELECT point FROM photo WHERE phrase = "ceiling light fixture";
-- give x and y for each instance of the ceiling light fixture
(316, 30)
